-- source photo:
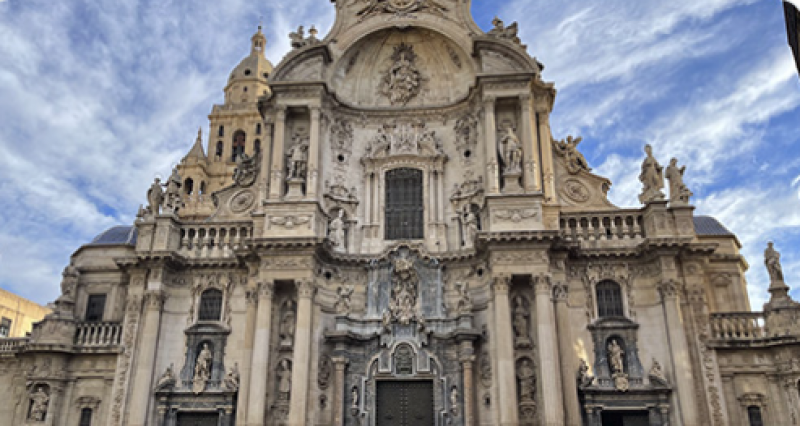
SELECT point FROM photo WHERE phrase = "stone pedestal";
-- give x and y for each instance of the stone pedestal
(293, 219)
(295, 191)
(511, 182)
(514, 213)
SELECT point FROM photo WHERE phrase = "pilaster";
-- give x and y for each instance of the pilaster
(467, 358)
(504, 350)
(552, 404)
(490, 138)
(312, 178)
(531, 178)
(301, 357)
(251, 311)
(569, 364)
(276, 174)
(142, 389)
(339, 365)
(545, 142)
(257, 398)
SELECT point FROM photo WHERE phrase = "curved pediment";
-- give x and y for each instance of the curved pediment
(306, 64)
(498, 56)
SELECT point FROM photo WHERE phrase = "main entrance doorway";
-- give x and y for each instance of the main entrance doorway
(405, 403)
(625, 418)
(198, 419)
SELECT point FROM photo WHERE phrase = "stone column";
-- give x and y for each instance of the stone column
(681, 364)
(276, 174)
(531, 180)
(312, 175)
(339, 413)
(467, 357)
(490, 136)
(257, 398)
(265, 157)
(569, 365)
(552, 408)
(546, 144)
(504, 350)
(142, 389)
(245, 370)
(301, 356)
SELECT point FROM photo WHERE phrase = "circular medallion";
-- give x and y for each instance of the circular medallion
(576, 191)
(242, 201)
(402, 5)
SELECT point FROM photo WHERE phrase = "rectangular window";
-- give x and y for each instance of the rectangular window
(404, 205)
(95, 307)
(86, 417)
(5, 327)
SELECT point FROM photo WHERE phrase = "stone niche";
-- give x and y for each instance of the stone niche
(436, 70)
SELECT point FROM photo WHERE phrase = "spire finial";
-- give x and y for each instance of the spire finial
(200, 133)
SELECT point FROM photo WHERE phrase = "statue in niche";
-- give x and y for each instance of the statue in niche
(520, 323)
(287, 325)
(202, 369)
(232, 378)
(616, 362)
(678, 192)
(584, 378)
(469, 228)
(454, 401)
(652, 177)
(772, 260)
(512, 151)
(569, 150)
(246, 170)
(504, 32)
(298, 158)
(284, 380)
(403, 80)
(336, 232)
(403, 304)
(69, 280)
(343, 305)
(155, 197)
(39, 403)
(167, 379)
(464, 305)
(354, 397)
(656, 375)
(526, 377)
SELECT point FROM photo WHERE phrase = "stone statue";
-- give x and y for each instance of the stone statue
(527, 380)
(454, 401)
(678, 192)
(284, 380)
(512, 151)
(232, 378)
(403, 80)
(39, 402)
(69, 279)
(464, 300)
(615, 354)
(298, 38)
(520, 323)
(298, 158)
(202, 369)
(652, 177)
(656, 375)
(155, 197)
(469, 228)
(246, 170)
(772, 260)
(354, 397)
(166, 380)
(324, 372)
(569, 150)
(501, 31)
(343, 304)
(287, 327)
(403, 304)
(172, 197)
(336, 232)
(584, 378)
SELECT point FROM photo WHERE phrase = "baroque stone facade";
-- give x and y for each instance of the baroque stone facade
(382, 229)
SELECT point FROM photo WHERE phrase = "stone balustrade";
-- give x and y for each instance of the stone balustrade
(600, 226)
(737, 326)
(98, 334)
(11, 345)
(202, 240)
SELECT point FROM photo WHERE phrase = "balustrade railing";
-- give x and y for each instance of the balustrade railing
(90, 334)
(10, 345)
(613, 225)
(213, 241)
(738, 326)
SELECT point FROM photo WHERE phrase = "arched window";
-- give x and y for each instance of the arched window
(220, 149)
(609, 300)
(210, 305)
(404, 205)
(188, 185)
(754, 415)
(86, 417)
(238, 144)
(257, 146)
(202, 187)
(258, 128)
(221, 131)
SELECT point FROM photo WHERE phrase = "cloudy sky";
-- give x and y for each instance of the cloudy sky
(99, 96)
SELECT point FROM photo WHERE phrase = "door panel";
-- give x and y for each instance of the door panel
(405, 403)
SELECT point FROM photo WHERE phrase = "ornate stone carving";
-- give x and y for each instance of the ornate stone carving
(402, 81)
(652, 178)
(299, 40)
(485, 369)
(403, 138)
(40, 401)
(403, 306)
(341, 139)
(324, 372)
(284, 379)
(167, 380)
(232, 378)
(656, 375)
(400, 7)
(469, 227)
(343, 305)
(511, 151)
(202, 369)
(466, 129)
(469, 192)
(576, 191)
(515, 215)
(569, 150)
(584, 378)
(155, 198)
(505, 32)
(246, 170)
(336, 233)
(526, 379)
(287, 326)
(679, 193)
(772, 260)
(154, 299)
(464, 304)
(242, 201)
(69, 280)
(601, 271)
(521, 318)
(290, 221)
(560, 292)
(617, 364)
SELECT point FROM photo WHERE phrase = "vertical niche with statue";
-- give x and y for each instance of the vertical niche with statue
(284, 326)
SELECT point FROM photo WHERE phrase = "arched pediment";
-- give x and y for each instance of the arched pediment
(305, 64)
(501, 56)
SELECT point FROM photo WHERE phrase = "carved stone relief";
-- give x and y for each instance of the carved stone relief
(400, 7)
(403, 80)
(568, 149)
(341, 140)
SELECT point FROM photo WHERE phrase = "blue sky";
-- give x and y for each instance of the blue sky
(99, 96)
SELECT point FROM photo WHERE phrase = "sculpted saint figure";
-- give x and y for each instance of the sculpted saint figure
(69, 279)
(520, 319)
(202, 369)
(232, 378)
(652, 177)
(298, 156)
(512, 151)
(470, 228)
(336, 232)
(772, 260)
(678, 192)
(656, 375)
(39, 402)
(527, 380)
(284, 380)
(155, 197)
(584, 378)
(298, 38)
(615, 353)
(172, 197)
(287, 327)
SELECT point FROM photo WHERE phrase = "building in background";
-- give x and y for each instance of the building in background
(793, 30)
(18, 314)
(383, 229)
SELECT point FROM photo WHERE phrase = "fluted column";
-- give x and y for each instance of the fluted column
(257, 398)
(301, 357)
(467, 357)
(339, 392)
(247, 361)
(531, 180)
(312, 178)
(504, 341)
(276, 174)
(545, 142)
(142, 389)
(681, 364)
(552, 405)
(572, 409)
(490, 137)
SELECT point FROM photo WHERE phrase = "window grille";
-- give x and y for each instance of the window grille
(754, 415)
(86, 417)
(95, 307)
(210, 305)
(404, 205)
(609, 300)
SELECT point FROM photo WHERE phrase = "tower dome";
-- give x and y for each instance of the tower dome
(248, 80)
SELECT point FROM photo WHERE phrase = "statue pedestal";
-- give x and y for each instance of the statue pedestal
(295, 188)
(511, 182)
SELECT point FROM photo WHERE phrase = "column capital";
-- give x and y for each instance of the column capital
(154, 299)
(315, 111)
(501, 284)
(489, 100)
(339, 362)
(305, 288)
(266, 289)
(668, 289)
(542, 284)
(560, 292)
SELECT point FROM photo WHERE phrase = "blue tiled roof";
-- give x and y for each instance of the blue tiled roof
(707, 225)
(118, 235)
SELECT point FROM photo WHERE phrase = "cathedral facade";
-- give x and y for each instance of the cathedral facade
(382, 230)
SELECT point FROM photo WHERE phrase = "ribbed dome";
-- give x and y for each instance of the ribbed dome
(253, 66)
(117, 235)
